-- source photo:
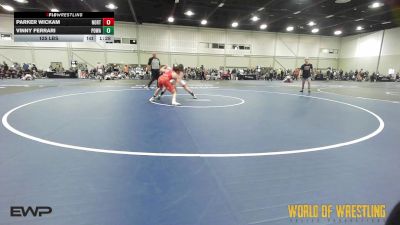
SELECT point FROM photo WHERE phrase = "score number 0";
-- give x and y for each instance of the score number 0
(108, 26)
(108, 21)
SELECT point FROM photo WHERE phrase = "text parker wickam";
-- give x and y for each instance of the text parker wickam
(37, 22)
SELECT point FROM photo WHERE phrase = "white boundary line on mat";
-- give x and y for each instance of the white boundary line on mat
(241, 101)
(210, 155)
(372, 99)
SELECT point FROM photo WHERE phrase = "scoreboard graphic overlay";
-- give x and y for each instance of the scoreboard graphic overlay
(64, 27)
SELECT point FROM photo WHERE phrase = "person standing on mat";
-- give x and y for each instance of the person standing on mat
(154, 65)
(306, 70)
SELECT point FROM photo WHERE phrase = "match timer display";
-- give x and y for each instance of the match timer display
(64, 27)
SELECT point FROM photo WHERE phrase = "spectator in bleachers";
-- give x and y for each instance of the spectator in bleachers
(296, 73)
(202, 73)
(233, 74)
(126, 70)
(5, 67)
(25, 67)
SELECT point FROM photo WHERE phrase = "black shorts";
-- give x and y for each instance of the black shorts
(306, 77)
(155, 74)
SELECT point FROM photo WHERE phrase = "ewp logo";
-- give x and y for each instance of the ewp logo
(19, 211)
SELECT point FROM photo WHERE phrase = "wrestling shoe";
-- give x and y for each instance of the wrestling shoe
(176, 104)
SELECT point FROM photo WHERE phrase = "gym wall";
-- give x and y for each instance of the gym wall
(390, 57)
(192, 46)
(360, 51)
(364, 51)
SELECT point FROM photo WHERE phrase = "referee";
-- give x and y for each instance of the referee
(154, 65)
(306, 71)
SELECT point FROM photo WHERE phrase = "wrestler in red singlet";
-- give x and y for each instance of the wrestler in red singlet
(164, 81)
